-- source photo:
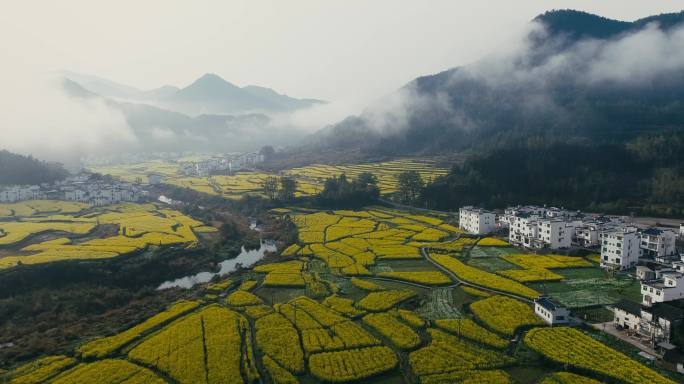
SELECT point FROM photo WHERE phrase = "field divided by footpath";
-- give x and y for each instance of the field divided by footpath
(374, 295)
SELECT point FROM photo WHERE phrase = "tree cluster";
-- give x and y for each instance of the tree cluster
(279, 188)
(339, 192)
(643, 176)
(20, 170)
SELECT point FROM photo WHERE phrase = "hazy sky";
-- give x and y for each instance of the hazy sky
(349, 50)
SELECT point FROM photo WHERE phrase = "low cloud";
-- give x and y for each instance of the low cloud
(37, 117)
(528, 74)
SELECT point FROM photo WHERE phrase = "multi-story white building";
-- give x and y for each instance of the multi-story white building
(555, 233)
(476, 220)
(511, 213)
(558, 213)
(523, 229)
(532, 231)
(681, 230)
(587, 234)
(669, 287)
(658, 243)
(620, 248)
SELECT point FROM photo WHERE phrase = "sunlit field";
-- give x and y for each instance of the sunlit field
(38, 232)
(310, 179)
(375, 295)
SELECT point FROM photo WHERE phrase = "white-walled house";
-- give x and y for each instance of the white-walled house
(658, 243)
(620, 248)
(16, 193)
(523, 230)
(668, 287)
(476, 220)
(627, 315)
(659, 322)
(75, 188)
(644, 273)
(531, 231)
(556, 234)
(655, 323)
(511, 213)
(220, 164)
(587, 235)
(550, 312)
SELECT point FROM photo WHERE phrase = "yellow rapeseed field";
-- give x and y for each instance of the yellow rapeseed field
(471, 330)
(570, 346)
(140, 226)
(105, 346)
(40, 370)
(108, 371)
(447, 353)
(354, 364)
(482, 278)
(504, 314)
(386, 324)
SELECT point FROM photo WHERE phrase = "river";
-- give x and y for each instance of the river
(246, 258)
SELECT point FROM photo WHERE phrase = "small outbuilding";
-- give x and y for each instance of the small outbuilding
(550, 312)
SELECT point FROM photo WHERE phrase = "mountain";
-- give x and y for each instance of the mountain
(580, 25)
(577, 77)
(584, 112)
(159, 129)
(162, 92)
(19, 170)
(210, 94)
(101, 86)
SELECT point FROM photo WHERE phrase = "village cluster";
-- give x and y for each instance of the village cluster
(648, 252)
(220, 164)
(82, 188)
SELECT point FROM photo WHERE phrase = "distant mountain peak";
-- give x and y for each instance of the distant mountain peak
(208, 94)
(211, 77)
(211, 80)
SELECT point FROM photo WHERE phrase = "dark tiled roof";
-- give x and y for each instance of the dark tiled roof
(629, 307)
(653, 231)
(668, 311)
(547, 303)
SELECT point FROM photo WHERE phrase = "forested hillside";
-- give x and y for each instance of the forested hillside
(18, 169)
(586, 112)
(645, 176)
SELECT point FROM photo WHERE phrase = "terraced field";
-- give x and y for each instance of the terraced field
(309, 179)
(385, 171)
(38, 232)
(321, 312)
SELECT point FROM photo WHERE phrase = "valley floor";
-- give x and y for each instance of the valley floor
(377, 295)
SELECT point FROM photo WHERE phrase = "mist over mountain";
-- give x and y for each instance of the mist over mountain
(195, 117)
(209, 94)
(574, 76)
